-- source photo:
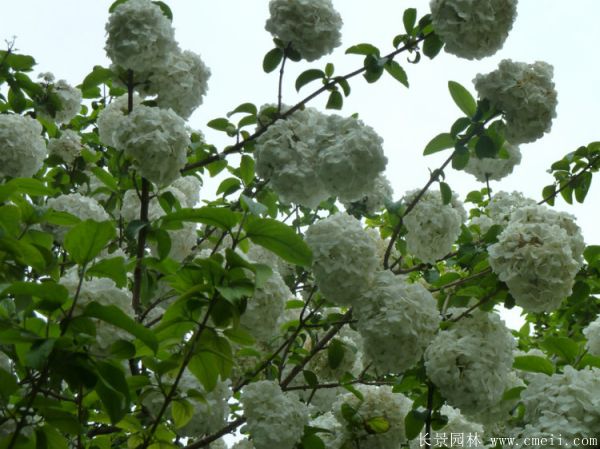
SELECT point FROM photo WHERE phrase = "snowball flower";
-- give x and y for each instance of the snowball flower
(569, 402)
(157, 140)
(352, 160)
(494, 168)
(499, 209)
(538, 256)
(180, 83)
(334, 437)
(344, 258)
(397, 321)
(592, 333)
(287, 155)
(473, 29)
(139, 36)
(67, 146)
(70, 101)
(457, 424)
(374, 198)
(83, 207)
(432, 226)
(190, 187)
(351, 344)
(22, 148)
(525, 94)
(311, 26)
(471, 361)
(380, 403)
(265, 307)
(275, 419)
(112, 117)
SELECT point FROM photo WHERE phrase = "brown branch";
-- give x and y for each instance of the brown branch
(215, 436)
(141, 248)
(462, 280)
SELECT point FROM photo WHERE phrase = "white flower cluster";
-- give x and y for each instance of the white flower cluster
(112, 117)
(157, 140)
(259, 254)
(470, 362)
(180, 83)
(538, 256)
(397, 321)
(83, 207)
(140, 36)
(310, 156)
(352, 159)
(457, 424)
(569, 402)
(526, 96)
(374, 199)
(311, 26)
(67, 146)
(265, 307)
(501, 411)
(182, 240)
(592, 333)
(105, 292)
(70, 101)
(380, 403)
(494, 168)
(499, 209)
(275, 419)
(243, 444)
(473, 29)
(334, 437)
(344, 258)
(22, 148)
(352, 344)
(432, 226)
(190, 187)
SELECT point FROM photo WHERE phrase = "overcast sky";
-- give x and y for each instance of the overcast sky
(67, 38)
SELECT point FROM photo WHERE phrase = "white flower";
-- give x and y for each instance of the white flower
(139, 36)
(375, 198)
(494, 168)
(311, 26)
(501, 411)
(473, 29)
(265, 307)
(592, 333)
(180, 83)
(287, 154)
(352, 160)
(457, 425)
(190, 187)
(569, 402)
(334, 437)
(83, 207)
(379, 403)
(432, 226)
(499, 209)
(22, 148)
(112, 117)
(470, 362)
(243, 444)
(397, 321)
(157, 140)
(525, 94)
(275, 419)
(70, 101)
(351, 344)
(538, 256)
(67, 146)
(259, 254)
(344, 258)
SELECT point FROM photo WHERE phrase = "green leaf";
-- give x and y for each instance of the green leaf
(463, 99)
(440, 142)
(165, 9)
(335, 100)
(548, 193)
(115, 316)
(229, 186)
(17, 100)
(377, 424)
(432, 45)
(310, 378)
(460, 158)
(583, 186)
(98, 75)
(344, 84)
(113, 391)
(363, 49)
(51, 438)
(8, 384)
(272, 60)
(512, 394)
(563, 347)
(254, 207)
(38, 354)
(22, 63)
(592, 254)
(113, 268)
(413, 423)
(222, 218)
(335, 353)
(247, 108)
(278, 238)
(312, 441)
(394, 69)
(204, 366)
(307, 76)
(446, 193)
(534, 364)
(220, 124)
(86, 239)
(373, 68)
(247, 169)
(181, 411)
(485, 147)
(30, 186)
(329, 69)
(409, 19)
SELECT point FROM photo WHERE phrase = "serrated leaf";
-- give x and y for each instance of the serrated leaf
(272, 59)
(181, 411)
(363, 49)
(247, 169)
(397, 72)
(247, 108)
(86, 239)
(220, 124)
(561, 346)
(22, 63)
(462, 98)
(432, 45)
(440, 142)
(307, 76)
(222, 218)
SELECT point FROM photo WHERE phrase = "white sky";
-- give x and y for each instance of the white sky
(67, 38)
